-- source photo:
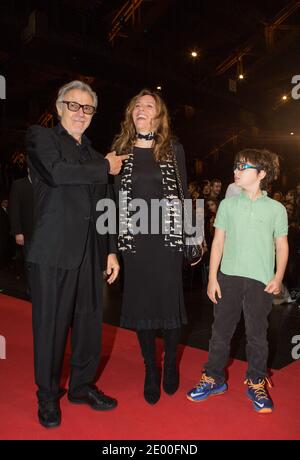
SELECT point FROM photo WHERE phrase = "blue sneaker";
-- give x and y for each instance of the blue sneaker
(205, 388)
(259, 396)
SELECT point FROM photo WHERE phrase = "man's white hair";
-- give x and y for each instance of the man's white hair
(76, 84)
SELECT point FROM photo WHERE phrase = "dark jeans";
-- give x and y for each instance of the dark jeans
(247, 295)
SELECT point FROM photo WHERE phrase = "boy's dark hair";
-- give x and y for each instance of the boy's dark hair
(213, 200)
(265, 160)
(215, 181)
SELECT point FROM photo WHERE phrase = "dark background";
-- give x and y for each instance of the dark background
(44, 44)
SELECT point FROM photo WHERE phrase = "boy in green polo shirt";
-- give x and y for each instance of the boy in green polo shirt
(248, 229)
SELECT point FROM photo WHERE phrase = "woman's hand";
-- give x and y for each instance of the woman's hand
(112, 268)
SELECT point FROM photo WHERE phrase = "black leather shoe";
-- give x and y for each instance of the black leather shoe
(49, 414)
(95, 398)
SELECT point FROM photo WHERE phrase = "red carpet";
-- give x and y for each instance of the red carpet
(229, 416)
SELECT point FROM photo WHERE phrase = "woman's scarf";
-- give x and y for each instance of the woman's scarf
(172, 215)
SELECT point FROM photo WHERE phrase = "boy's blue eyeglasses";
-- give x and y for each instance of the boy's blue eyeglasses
(242, 166)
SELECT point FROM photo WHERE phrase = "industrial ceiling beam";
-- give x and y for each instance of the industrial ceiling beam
(269, 35)
(128, 10)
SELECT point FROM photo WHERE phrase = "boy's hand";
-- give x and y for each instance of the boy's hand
(273, 287)
(213, 288)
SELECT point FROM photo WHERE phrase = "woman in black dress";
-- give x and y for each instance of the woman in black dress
(153, 293)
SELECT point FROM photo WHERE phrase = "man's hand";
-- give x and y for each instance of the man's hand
(274, 286)
(20, 239)
(112, 268)
(213, 288)
(115, 162)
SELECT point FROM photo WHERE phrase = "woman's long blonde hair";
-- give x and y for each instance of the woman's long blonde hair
(125, 140)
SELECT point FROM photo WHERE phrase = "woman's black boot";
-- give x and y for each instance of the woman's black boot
(171, 373)
(152, 380)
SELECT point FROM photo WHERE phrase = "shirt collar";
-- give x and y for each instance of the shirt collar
(62, 131)
(245, 195)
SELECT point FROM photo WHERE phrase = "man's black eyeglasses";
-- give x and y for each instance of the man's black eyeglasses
(75, 106)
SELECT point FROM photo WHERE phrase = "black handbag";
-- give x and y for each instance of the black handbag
(192, 251)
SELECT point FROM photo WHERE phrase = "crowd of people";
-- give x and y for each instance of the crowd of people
(16, 227)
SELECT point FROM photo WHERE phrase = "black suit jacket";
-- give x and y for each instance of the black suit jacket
(66, 191)
(20, 208)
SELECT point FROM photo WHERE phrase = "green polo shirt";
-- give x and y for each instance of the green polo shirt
(251, 228)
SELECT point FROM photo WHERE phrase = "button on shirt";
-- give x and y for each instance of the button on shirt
(84, 155)
(84, 152)
(251, 228)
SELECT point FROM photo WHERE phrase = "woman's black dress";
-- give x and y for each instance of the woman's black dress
(153, 292)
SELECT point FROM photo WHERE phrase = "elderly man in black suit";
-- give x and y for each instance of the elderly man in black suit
(66, 254)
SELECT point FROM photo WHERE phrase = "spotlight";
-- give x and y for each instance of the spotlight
(240, 68)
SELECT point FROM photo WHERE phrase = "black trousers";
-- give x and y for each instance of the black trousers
(247, 295)
(64, 299)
